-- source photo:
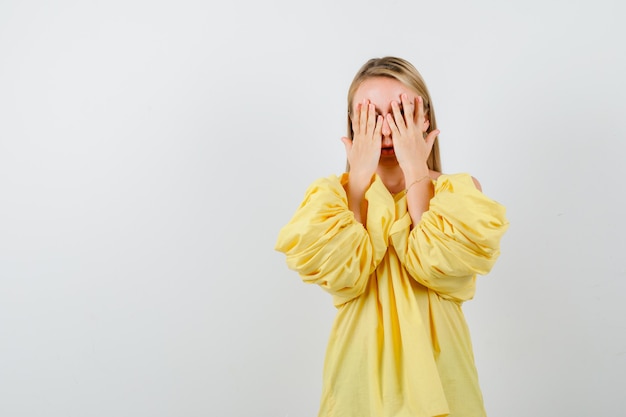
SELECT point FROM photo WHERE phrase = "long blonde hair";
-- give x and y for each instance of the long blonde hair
(408, 75)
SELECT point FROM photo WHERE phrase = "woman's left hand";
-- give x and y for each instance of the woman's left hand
(409, 144)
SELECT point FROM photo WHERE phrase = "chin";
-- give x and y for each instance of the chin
(388, 160)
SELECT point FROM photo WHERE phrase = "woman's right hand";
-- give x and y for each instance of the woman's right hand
(363, 151)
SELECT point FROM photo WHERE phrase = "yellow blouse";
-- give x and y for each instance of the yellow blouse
(399, 345)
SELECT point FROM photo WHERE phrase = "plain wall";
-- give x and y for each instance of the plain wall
(150, 151)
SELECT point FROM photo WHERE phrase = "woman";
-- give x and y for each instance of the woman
(398, 245)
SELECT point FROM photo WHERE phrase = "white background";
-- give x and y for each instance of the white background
(150, 151)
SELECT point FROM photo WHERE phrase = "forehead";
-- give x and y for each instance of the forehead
(381, 91)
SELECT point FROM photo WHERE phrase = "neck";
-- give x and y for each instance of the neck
(392, 176)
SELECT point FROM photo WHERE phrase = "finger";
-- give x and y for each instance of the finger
(363, 115)
(420, 113)
(407, 108)
(397, 115)
(379, 128)
(395, 132)
(371, 119)
(430, 138)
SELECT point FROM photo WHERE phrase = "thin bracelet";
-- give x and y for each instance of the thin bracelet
(416, 181)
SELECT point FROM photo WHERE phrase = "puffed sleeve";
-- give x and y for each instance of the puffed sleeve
(327, 246)
(456, 239)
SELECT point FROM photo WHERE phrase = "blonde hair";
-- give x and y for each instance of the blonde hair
(407, 74)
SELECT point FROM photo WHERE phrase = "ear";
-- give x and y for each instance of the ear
(426, 123)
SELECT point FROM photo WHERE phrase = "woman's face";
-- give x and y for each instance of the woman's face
(381, 92)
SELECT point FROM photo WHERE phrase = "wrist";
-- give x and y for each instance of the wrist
(359, 181)
(424, 179)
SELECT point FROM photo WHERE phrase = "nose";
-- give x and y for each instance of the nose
(386, 130)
